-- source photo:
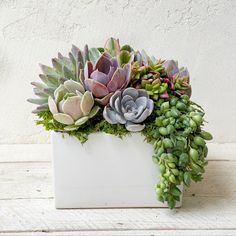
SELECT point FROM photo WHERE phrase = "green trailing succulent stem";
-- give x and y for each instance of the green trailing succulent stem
(179, 145)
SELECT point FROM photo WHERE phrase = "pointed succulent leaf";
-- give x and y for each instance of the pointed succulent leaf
(39, 85)
(103, 63)
(63, 118)
(82, 120)
(59, 93)
(127, 48)
(134, 127)
(145, 57)
(141, 101)
(94, 54)
(112, 46)
(86, 53)
(48, 70)
(105, 100)
(171, 67)
(134, 93)
(43, 107)
(94, 111)
(88, 69)
(65, 61)
(142, 116)
(38, 101)
(75, 65)
(138, 58)
(117, 80)
(109, 115)
(52, 105)
(99, 90)
(49, 81)
(72, 107)
(40, 93)
(100, 77)
(73, 86)
(115, 96)
(87, 103)
(127, 73)
(49, 91)
(71, 127)
(124, 57)
(81, 76)
(57, 65)
(68, 73)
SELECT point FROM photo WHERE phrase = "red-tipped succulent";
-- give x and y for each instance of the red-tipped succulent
(105, 77)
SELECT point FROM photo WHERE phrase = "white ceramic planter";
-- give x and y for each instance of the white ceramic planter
(106, 171)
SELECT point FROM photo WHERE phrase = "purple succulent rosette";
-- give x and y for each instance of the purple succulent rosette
(106, 77)
(179, 78)
(130, 107)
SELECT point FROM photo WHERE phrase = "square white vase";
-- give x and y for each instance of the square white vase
(104, 172)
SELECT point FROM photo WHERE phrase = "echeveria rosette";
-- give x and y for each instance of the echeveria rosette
(178, 76)
(63, 69)
(130, 107)
(106, 77)
(72, 105)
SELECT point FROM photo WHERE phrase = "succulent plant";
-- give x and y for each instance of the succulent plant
(105, 77)
(130, 107)
(64, 68)
(178, 76)
(161, 78)
(72, 105)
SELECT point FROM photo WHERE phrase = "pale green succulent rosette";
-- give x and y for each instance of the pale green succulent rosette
(72, 105)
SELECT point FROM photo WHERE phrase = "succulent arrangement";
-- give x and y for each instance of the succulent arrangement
(118, 90)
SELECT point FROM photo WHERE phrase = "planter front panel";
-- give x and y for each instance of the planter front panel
(106, 171)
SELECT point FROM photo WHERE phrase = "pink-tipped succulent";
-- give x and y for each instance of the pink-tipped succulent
(105, 77)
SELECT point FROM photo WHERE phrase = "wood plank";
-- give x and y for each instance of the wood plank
(42, 152)
(25, 180)
(131, 233)
(34, 180)
(25, 152)
(37, 215)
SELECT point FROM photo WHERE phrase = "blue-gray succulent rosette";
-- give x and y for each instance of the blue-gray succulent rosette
(119, 90)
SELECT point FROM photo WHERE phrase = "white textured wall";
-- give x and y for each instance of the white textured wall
(200, 34)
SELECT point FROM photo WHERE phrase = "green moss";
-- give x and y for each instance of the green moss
(97, 124)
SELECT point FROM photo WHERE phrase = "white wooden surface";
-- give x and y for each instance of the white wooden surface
(27, 205)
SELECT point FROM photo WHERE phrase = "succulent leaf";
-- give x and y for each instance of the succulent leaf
(124, 57)
(52, 105)
(73, 86)
(94, 54)
(82, 120)
(94, 111)
(112, 46)
(72, 107)
(87, 103)
(63, 118)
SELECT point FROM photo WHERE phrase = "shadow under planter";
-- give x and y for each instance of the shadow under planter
(105, 172)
